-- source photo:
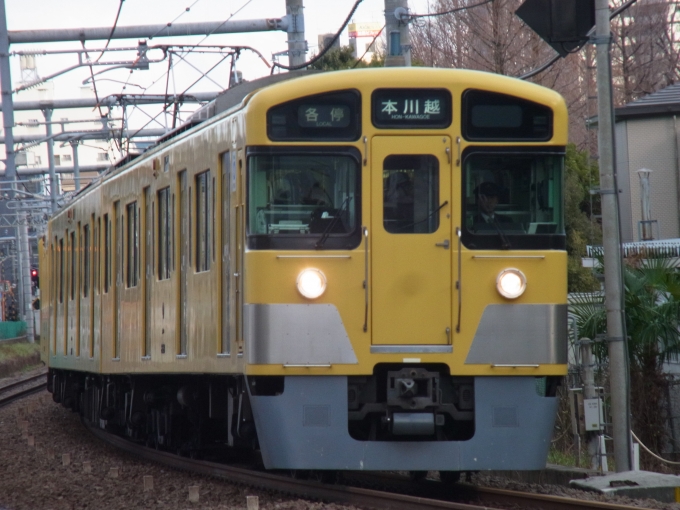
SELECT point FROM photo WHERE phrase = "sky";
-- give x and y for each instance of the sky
(321, 16)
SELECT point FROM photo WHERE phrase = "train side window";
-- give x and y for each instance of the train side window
(132, 245)
(203, 221)
(72, 254)
(164, 234)
(95, 255)
(171, 257)
(107, 253)
(61, 270)
(86, 260)
(410, 194)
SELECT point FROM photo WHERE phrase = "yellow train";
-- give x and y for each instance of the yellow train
(357, 270)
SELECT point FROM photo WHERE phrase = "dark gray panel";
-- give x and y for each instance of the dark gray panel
(521, 335)
(287, 444)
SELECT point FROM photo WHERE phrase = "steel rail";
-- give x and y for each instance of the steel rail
(358, 496)
(21, 394)
(22, 381)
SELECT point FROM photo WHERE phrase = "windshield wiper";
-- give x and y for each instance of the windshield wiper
(424, 219)
(329, 228)
(505, 244)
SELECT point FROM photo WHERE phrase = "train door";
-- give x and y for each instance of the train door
(185, 263)
(118, 268)
(411, 240)
(228, 322)
(60, 315)
(148, 258)
(97, 288)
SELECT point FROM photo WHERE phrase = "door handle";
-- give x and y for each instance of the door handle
(446, 244)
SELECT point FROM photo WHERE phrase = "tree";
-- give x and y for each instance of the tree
(645, 50)
(580, 177)
(337, 59)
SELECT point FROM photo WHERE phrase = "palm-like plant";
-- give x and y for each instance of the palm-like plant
(652, 313)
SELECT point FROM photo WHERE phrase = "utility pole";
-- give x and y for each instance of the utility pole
(21, 230)
(613, 285)
(297, 46)
(397, 32)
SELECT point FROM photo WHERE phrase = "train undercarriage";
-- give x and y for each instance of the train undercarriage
(415, 418)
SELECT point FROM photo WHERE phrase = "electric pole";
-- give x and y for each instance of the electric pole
(613, 285)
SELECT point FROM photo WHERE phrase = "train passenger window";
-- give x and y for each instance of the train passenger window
(107, 253)
(86, 260)
(61, 270)
(132, 245)
(411, 194)
(95, 256)
(164, 234)
(304, 198)
(512, 200)
(493, 116)
(72, 254)
(203, 221)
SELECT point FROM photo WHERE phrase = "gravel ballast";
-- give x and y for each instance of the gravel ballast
(34, 477)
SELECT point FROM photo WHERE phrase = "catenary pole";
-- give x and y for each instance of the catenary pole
(613, 286)
(397, 33)
(297, 45)
(21, 230)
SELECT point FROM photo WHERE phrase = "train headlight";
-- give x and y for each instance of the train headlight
(511, 283)
(311, 283)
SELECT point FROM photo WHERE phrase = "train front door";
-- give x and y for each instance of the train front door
(411, 242)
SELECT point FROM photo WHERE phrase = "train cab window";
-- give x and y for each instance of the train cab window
(164, 234)
(410, 194)
(512, 200)
(204, 221)
(132, 245)
(304, 198)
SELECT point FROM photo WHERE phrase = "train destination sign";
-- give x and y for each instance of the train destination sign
(411, 108)
(323, 115)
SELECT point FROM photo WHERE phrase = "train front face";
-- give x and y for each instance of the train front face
(405, 272)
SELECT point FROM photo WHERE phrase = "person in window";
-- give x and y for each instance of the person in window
(486, 196)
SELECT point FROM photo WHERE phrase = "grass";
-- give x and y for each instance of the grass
(18, 350)
(562, 458)
(18, 356)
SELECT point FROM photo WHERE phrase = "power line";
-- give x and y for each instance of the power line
(186, 9)
(113, 29)
(368, 47)
(435, 14)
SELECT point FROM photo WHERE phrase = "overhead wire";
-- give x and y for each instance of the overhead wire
(168, 25)
(113, 29)
(368, 47)
(435, 14)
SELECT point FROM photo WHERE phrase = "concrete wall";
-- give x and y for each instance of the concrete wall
(648, 143)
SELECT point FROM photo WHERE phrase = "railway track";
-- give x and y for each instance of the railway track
(16, 391)
(423, 495)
